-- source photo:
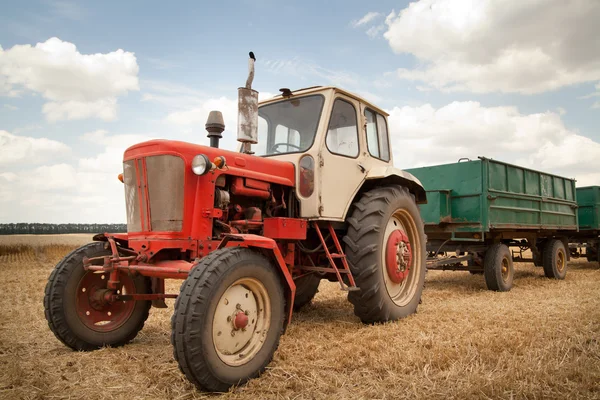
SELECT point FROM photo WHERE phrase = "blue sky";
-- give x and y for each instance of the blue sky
(458, 77)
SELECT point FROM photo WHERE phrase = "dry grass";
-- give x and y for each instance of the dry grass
(541, 340)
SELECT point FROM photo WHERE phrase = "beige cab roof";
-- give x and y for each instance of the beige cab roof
(320, 89)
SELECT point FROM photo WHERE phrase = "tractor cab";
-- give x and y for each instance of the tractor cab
(337, 139)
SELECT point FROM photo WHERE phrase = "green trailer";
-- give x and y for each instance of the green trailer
(480, 209)
(588, 200)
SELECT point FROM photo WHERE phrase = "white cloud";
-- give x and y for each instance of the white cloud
(105, 109)
(308, 71)
(11, 107)
(493, 45)
(368, 17)
(76, 85)
(424, 135)
(8, 176)
(28, 150)
(199, 114)
(374, 31)
(53, 177)
(85, 191)
(110, 159)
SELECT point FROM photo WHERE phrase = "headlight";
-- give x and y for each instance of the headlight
(201, 164)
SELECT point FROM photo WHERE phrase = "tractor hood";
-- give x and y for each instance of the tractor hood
(239, 164)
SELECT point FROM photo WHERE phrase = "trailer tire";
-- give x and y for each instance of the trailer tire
(306, 289)
(223, 287)
(69, 292)
(380, 222)
(555, 260)
(591, 253)
(476, 266)
(498, 268)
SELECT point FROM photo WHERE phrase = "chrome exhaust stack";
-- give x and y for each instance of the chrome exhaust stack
(248, 111)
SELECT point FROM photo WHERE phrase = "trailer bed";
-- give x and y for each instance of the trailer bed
(469, 201)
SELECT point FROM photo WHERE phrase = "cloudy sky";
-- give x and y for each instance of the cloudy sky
(81, 81)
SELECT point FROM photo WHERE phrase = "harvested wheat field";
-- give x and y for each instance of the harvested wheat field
(540, 340)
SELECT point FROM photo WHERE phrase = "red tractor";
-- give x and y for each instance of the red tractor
(311, 194)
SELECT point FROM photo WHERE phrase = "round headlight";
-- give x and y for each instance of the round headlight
(201, 164)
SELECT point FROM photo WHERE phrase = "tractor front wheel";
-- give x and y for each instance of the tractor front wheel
(75, 306)
(385, 247)
(228, 319)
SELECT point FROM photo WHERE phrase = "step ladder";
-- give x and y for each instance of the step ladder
(332, 257)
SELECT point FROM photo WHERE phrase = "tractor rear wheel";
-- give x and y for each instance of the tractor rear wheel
(555, 260)
(498, 268)
(228, 319)
(306, 289)
(75, 308)
(385, 247)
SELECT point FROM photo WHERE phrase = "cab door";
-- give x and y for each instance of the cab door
(341, 159)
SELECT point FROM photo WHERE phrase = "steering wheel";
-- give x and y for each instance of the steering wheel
(274, 147)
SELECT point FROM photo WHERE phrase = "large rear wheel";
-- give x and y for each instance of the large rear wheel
(385, 246)
(228, 319)
(76, 309)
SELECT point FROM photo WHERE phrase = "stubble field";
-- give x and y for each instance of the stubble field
(540, 340)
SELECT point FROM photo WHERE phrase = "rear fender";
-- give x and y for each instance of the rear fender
(395, 175)
(383, 176)
(268, 247)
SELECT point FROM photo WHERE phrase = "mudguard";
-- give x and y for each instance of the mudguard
(391, 174)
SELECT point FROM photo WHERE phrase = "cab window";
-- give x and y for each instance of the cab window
(377, 136)
(342, 133)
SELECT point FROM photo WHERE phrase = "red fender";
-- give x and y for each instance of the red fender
(268, 244)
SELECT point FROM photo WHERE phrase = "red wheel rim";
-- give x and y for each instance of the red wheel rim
(94, 310)
(398, 256)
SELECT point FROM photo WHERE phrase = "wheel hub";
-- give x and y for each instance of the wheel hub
(240, 320)
(94, 306)
(398, 256)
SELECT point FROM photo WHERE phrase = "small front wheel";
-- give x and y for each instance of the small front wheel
(555, 260)
(228, 319)
(498, 268)
(76, 309)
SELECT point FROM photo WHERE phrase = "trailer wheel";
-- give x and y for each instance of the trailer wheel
(498, 268)
(385, 247)
(76, 311)
(591, 253)
(555, 260)
(476, 264)
(228, 319)
(306, 289)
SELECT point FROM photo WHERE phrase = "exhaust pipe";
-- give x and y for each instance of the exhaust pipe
(248, 111)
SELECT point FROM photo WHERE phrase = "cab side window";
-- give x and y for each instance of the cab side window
(342, 134)
(377, 136)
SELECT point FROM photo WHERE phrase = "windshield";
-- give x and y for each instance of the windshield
(288, 126)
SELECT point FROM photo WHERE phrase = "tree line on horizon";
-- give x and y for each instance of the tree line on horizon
(23, 228)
